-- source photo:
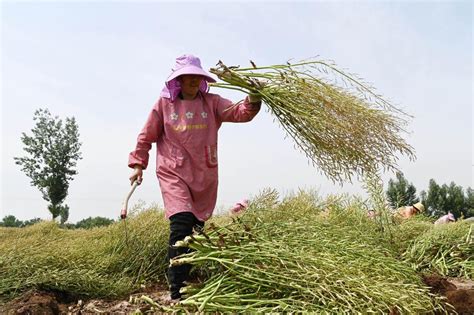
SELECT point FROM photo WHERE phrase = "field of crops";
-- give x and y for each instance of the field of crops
(292, 254)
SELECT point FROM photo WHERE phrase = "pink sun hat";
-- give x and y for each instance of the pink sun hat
(185, 64)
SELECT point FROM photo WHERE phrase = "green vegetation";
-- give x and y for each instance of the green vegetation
(89, 223)
(11, 221)
(439, 199)
(340, 123)
(298, 253)
(303, 254)
(53, 151)
(100, 262)
(400, 192)
(447, 250)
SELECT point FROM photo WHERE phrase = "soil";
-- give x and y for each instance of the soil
(459, 293)
(52, 303)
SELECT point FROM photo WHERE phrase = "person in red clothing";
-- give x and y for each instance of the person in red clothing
(184, 124)
(239, 206)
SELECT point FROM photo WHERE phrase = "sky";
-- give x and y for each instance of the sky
(105, 63)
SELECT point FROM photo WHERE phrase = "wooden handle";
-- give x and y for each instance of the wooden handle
(123, 213)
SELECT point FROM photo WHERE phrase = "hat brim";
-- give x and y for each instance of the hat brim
(419, 206)
(191, 70)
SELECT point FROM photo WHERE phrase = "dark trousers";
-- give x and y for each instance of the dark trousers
(181, 225)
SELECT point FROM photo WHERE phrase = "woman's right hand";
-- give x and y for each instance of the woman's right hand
(137, 174)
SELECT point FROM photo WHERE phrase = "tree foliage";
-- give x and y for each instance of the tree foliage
(400, 192)
(52, 155)
(470, 202)
(10, 221)
(91, 222)
(30, 222)
(440, 200)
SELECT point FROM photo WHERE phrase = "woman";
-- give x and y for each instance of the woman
(410, 211)
(184, 123)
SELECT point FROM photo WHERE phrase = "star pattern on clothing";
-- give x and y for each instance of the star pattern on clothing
(189, 115)
(174, 116)
(204, 115)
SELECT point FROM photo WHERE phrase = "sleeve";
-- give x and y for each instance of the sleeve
(243, 111)
(150, 133)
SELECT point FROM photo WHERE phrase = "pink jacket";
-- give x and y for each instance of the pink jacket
(240, 206)
(185, 133)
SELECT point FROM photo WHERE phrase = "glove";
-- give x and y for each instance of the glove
(255, 97)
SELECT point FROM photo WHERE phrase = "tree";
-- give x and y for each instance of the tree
(10, 221)
(470, 202)
(53, 152)
(440, 200)
(90, 222)
(30, 222)
(400, 192)
(455, 200)
(433, 200)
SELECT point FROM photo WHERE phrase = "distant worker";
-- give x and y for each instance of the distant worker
(410, 211)
(371, 214)
(445, 219)
(239, 206)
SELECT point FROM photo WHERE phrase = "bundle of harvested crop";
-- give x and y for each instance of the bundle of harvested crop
(446, 249)
(340, 123)
(302, 263)
(99, 262)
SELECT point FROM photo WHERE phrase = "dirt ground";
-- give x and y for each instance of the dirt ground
(52, 303)
(459, 292)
